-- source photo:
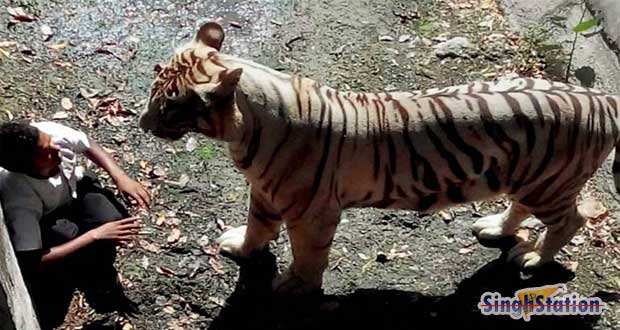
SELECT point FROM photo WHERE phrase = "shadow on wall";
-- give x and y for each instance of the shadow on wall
(252, 307)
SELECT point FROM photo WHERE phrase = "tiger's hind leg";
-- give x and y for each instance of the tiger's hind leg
(561, 227)
(311, 240)
(497, 226)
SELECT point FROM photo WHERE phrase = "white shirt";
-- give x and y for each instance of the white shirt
(71, 143)
(25, 199)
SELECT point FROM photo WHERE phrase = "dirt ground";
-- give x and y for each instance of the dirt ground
(389, 269)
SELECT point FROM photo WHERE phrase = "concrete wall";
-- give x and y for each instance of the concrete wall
(591, 51)
(609, 11)
(16, 311)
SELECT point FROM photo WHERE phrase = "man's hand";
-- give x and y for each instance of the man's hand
(125, 184)
(128, 186)
(121, 231)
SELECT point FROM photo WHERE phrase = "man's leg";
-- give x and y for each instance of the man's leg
(52, 287)
(96, 206)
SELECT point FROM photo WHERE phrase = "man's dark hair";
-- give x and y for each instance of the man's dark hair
(18, 146)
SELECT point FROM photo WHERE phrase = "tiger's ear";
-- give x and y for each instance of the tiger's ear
(158, 68)
(229, 80)
(231, 77)
(210, 34)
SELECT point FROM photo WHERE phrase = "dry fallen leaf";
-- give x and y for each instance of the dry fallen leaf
(157, 172)
(108, 150)
(446, 216)
(8, 113)
(60, 115)
(7, 44)
(395, 255)
(486, 4)
(149, 246)
(140, 103)
(4, 53)
(165, 271)
(20, 15)
(191, 144)
(145, 262)
(89, 93)
(66, 103)
(572, 266)
(46, 31)
(115, 113)
(466, 250)
(218, 301)
(203, 241)
(62, 64)
(578, 240)
(119, 139)
(160, 219)
(593, 210)
(129, 158)
(215, 264)
(59, 45)
(174, 236)
(183, 180)
(231, 197)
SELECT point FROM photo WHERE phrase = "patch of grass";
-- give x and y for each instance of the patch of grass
(425, 26)
(208, 152)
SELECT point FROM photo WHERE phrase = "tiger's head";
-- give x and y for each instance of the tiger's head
(194, 92)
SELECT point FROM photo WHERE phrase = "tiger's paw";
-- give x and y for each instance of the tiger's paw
(291, 284)
(490, 228)
(525, 256)
(231, 242)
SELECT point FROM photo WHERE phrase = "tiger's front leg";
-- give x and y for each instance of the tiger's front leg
(311, 239)
(263, 226)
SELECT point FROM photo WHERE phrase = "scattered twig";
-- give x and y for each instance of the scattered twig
(289, 43)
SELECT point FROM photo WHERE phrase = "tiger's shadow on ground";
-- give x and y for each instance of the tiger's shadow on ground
(252, 306)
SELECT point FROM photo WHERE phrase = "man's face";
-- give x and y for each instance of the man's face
(47, 158)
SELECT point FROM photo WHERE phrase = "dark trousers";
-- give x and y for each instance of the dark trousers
(91, 269)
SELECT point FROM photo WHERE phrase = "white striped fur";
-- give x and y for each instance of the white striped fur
(310, 151)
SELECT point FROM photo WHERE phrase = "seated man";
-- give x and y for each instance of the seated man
(63, 225)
